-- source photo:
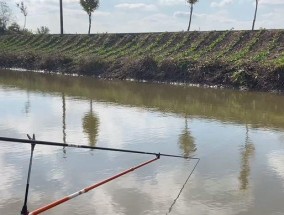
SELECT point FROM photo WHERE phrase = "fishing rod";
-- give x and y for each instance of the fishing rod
(7, 139)
(33, 142)
(24, 210)
(87, 189)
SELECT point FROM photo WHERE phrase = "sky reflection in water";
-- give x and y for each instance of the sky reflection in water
(238, 136)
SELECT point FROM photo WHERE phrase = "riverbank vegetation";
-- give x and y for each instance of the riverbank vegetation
(247, 59)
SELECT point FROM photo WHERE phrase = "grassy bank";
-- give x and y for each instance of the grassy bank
(252, 59)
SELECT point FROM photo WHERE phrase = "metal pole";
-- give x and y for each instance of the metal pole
(87, 189)
(25, 208)
(61, 17)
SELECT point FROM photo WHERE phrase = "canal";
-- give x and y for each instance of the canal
(239, 137)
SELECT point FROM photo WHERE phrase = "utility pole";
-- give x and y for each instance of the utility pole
(61, 17)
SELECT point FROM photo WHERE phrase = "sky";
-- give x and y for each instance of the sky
(123, 16)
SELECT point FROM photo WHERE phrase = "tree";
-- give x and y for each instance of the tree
(24, 10)
(89, 6)
(191, 2)
(43, 30)
(5, 16)
(256, 6)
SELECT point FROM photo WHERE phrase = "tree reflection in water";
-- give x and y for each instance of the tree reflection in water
(246, 152)
(186, 141)
(28, 104)
(64, 123)
(91, 125)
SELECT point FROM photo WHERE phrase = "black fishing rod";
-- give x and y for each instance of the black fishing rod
(24, 210)
(7, 139)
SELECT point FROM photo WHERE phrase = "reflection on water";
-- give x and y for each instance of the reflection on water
(246, 152)
(64, 123)
(187, 141)
(206, 123)
(64, 118)
(28, 103)
(91, 125)
(257, 109)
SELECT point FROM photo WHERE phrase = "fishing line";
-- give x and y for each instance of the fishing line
(190, 174)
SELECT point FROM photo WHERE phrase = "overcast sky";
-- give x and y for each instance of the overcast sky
(151, 15)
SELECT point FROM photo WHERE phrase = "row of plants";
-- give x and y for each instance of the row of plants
(129, 48)
(111, 55)
(240, 55)
(207, 49)
(228, 48)
(126, 44)
(161, 45)
(180, 46)
(193, 45)
(272, 44)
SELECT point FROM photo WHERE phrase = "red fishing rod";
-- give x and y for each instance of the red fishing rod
(87, 189)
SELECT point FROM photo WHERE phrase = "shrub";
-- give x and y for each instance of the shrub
(168, 69)
(54, 62)
(144, 68)
(91, 65)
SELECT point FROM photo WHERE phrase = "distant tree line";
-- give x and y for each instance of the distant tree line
(9, 26)
(89, 6)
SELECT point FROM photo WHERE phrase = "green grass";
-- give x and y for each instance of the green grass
(234, 47)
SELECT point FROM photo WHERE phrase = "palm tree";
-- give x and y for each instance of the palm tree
(256, 6)
(89, 6)
(191, 2)
(24, 10)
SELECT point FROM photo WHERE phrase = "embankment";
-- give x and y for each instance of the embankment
(250, 59)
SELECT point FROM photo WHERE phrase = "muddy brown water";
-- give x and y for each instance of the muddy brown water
(239, 137)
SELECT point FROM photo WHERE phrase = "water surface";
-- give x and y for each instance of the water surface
(239, 137)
